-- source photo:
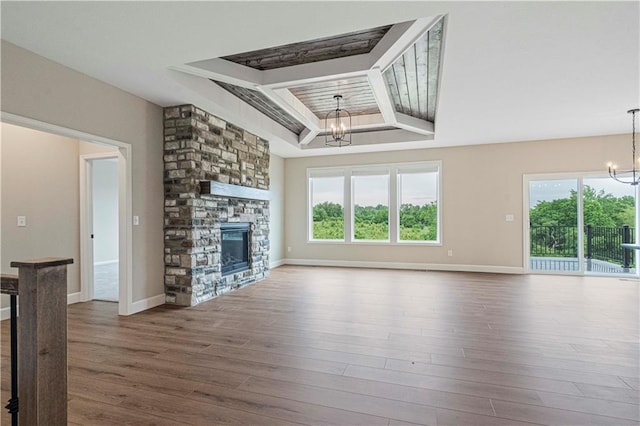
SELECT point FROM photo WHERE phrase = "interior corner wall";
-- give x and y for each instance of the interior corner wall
(39, 175)
(276, 210)
(480, 185)
(37, 88)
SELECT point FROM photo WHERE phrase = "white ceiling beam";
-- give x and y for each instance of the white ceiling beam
(225, 71)
(373, 138)
(413, 124)
(315, 72)
(398, 39)
(367, 121)
(307, 136)
(292, 105)
(379, 88)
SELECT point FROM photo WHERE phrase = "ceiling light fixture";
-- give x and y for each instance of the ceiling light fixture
(337, 126)
(631, 177)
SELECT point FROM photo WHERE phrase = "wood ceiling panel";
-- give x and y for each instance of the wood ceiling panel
(421, 49)
(264, 105)
(322, 49)
(358, 98)
(372, 129)
(433, 71)
(412, 80)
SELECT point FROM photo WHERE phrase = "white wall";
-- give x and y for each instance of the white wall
(39, 180)
(105, 210)
(276, 209)
(38, 88)
(480, 184)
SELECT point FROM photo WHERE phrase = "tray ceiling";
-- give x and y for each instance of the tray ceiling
(388, 78)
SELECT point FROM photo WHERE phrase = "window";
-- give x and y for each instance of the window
(370, 205)
(326, 193)
(391, 203)
(418, 201)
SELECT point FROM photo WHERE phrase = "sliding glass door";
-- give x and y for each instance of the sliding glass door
(609, 221)
(554, 239)
(579, 225)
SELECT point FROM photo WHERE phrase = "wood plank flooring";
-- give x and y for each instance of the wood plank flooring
(339, 346)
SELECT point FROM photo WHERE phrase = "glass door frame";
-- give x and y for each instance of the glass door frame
(526, 231)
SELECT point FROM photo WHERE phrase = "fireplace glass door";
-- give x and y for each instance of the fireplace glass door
(235, 247)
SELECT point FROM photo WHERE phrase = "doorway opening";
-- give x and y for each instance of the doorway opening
(103, 199)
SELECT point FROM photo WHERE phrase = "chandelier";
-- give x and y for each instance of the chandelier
(631, 177)
(337, 126)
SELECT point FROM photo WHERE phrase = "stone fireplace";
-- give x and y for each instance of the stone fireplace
(216, 206)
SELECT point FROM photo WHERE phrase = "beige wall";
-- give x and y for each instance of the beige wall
(480, 185)
(276, 209)
(39, 175)
(37, 88)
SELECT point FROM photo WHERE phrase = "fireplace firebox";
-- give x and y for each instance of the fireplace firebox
(235, 247)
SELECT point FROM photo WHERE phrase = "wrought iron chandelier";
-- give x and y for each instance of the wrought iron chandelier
(337, 126)
(631, 177)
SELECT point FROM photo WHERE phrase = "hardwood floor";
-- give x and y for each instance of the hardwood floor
(315, 345)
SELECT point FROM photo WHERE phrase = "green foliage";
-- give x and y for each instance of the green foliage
(554, 230)
(417, 223)
(328, 221)
(600, 209)
(329, 229)
(371, 223)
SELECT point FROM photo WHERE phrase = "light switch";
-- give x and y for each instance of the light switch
(509, 218)
(22, 221)
(136, 220)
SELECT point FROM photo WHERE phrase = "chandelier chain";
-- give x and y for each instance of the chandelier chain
(634, 173)
(633, 144)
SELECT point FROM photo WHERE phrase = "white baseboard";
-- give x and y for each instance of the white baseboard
(277, 263)
(355, 264)
(74, 298)
(105, 262)
(404, 265)
(492, 269)
(5, 313)
(148, 303)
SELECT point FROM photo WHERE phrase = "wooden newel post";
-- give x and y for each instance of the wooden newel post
(42, 341)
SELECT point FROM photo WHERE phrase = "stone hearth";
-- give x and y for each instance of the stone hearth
(200, 147)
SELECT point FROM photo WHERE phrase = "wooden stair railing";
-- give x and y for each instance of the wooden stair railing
(41, 358)
(9, 285)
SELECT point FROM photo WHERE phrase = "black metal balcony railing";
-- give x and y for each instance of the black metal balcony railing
(600, 242)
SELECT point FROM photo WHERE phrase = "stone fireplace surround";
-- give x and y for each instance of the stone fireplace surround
(198, 148)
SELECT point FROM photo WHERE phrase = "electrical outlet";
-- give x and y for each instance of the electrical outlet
(22, 221)
(288, 249)
(450, 253)
(509, 218)
(136, 220)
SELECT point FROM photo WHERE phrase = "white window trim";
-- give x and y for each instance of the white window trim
(394, 201)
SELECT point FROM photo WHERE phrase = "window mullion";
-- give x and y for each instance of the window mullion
(394, 210)
(348, 207)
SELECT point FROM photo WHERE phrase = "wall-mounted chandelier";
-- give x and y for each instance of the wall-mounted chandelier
(337, 126)
(632, 176)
